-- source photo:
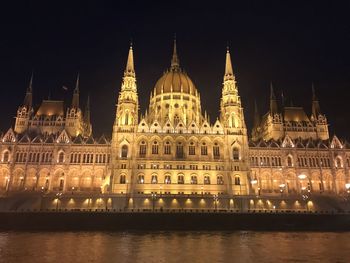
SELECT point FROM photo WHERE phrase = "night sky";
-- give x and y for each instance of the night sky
(291, 45)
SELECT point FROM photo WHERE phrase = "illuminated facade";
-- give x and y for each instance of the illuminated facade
(173, 149)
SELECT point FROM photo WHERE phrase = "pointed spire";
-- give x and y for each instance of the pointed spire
(256, 115)
(75, 99)
(30, 87)
(28, 99)
(175, 63)
(316, 109)
(87, 111)
(228, 66)
(273, 101)
(130, 70)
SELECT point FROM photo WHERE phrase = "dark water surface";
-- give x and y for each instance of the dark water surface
(174, 247)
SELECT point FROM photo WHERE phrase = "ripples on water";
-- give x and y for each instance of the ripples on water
(173, 247)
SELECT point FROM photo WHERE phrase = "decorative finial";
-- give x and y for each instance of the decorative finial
(175, 64)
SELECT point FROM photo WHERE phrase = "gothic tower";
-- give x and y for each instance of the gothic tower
(74, 125)
(318, 118)
(231, 110)
(128, 105)
(24, 112)
(124, 129)
(232, 118)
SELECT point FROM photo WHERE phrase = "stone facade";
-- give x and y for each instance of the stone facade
(173, 149)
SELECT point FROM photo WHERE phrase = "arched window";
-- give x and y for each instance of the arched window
(61, 157)
(124, 151)
(126, 118)
(6, 157)
(154, 179)
(220, 179)
(141, 179)
(289, 161)
(216, 151)
(167, 148)
(155, 148)
(237, 180)
(143, 149)
(191, 149)
(206, 180)
(167, 179)
(179, 150)
(338, 162)
(204, 149)
(194, 179)
(180, 179)
(235, 154)
(176, 120)
(122, 179)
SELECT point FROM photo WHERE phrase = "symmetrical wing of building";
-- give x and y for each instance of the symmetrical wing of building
(173, 148)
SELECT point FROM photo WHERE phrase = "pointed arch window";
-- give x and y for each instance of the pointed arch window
(216, 151)
(60, 157)
(180, 179)
(194, 179)
(154, 179)
(167, 148)
(338, 162)
(204, 149)
(143, 149)
(141, 179)
(126, 118)
(6, 157)
(167, 179)
(124, 151)
(220, 179)
(235, 154)
(155, 147)
(122, 179)
(289, 161)
(237, 180)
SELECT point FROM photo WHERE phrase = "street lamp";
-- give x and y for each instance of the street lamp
(347, 187)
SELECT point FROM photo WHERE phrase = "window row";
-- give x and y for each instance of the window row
(180, 180)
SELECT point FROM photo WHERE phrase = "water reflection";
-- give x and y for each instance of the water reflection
(174, 247)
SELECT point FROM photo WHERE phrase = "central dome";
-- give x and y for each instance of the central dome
(175, 97)
(175, 81)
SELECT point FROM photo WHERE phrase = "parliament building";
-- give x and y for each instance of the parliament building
(172, 149)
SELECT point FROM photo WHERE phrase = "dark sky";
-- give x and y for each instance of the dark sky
(291, 44)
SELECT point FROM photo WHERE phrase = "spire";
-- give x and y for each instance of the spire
(75, 99)
(175, 63)
(316, 109)
(87, 111)
(228, 66)
(130, 70)
(273, 101)
(28, 99)
(256, 115)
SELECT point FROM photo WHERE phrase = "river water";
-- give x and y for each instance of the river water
(180, 247)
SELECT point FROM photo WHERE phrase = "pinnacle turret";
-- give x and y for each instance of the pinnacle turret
(75, 99)
(28, 99)
(273, 101)
(130, 70)
(228, 66)
(175, 63)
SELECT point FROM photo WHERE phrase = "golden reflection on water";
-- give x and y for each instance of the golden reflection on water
(173, 247)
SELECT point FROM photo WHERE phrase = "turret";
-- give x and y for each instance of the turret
(24, 111)
(231, 110)
(75, 99)
(127, 106)
(273, 101)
